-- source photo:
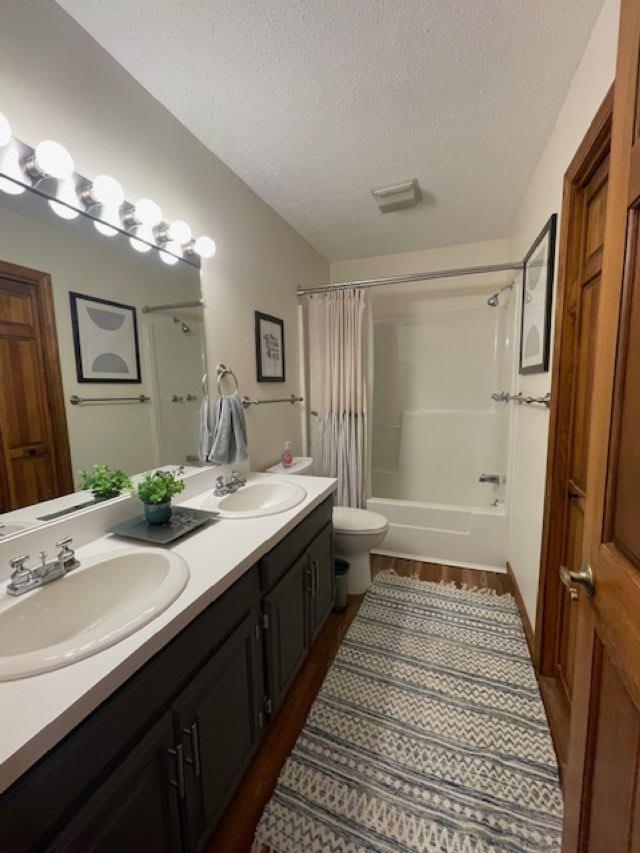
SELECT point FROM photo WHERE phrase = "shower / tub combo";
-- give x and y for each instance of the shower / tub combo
(438, 434)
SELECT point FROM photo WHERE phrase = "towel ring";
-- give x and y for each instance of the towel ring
(222, 373)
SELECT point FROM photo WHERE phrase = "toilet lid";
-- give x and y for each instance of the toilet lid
(348, 519)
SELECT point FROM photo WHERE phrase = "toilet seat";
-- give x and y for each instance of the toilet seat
(354, 522)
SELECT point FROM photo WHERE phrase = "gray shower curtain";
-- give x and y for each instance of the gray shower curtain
(338, 390)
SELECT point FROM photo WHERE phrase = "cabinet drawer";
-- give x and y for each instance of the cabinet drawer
(274, 564)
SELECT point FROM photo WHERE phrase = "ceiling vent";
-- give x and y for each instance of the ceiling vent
(397, 196)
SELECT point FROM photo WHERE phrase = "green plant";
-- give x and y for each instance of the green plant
(158, 487)
(105, 482)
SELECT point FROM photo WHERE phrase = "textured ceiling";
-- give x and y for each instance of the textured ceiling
(314, 102)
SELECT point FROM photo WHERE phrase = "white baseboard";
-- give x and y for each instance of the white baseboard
(502, 570)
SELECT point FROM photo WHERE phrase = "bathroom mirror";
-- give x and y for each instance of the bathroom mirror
(102, 356)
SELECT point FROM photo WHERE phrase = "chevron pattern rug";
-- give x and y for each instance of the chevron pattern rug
(428, 734)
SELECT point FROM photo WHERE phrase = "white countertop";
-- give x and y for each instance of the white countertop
(37, 712)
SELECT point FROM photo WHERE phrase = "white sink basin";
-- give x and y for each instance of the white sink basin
(256, 499)
(91, 608)
(9, 527)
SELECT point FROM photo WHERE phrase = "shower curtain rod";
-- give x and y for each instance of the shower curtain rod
(408, 279)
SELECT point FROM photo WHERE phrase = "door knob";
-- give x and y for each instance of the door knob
(583, 576)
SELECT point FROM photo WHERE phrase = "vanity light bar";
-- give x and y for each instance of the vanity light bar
(48, 170)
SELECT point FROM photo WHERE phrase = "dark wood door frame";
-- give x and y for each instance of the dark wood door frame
(590, 154)
(52, 370)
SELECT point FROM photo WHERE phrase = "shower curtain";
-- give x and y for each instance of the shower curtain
(337, 373)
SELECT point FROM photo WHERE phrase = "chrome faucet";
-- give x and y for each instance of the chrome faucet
(25, 578)
(230, 485)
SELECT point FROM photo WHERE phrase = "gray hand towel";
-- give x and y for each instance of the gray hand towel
(229, 442)
(206, 429)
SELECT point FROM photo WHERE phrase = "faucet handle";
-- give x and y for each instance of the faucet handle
(21, 574)
(65, 550)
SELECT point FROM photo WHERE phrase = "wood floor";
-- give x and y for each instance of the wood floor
(236, 830)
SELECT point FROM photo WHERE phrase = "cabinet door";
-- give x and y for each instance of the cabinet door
(322, 582)
(218, 718)
(286, 634)
(136, 808)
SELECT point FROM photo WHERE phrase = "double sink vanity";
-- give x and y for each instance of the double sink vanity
(136, 688)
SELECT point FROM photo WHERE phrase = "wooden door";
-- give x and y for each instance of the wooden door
(602, 790)
(580, 273)
(322, 586)
(286, 631)
(34, 446)
(218, 721)
(136, 808)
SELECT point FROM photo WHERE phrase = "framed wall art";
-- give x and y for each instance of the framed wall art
(537, 296)
(105, 339)
(269, 348)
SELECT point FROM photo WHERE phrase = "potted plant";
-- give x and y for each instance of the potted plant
(104, 482)
(155, 490)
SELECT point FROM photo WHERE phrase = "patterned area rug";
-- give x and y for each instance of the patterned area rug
(428, 734)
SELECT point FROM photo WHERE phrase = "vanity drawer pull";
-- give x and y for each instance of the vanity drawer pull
(195, 745)
(179, 757)
(194, 761)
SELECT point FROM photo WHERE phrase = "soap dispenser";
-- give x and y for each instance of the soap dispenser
(287, 457)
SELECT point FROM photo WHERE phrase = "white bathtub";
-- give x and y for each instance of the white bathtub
(474, 537)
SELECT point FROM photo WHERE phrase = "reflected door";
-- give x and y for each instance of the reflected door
(602, 789)
(34, 447)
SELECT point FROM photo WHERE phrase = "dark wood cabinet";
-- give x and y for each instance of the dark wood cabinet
(154, 767)
(285, 616)
(218, 719)
(322, 581)
(137, 808)
(294, 611)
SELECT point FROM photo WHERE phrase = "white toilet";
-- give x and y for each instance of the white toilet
(355, 531)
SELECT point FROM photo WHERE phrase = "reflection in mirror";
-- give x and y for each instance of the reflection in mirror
(102, 359)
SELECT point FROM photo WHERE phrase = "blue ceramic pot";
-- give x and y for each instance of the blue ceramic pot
(157, 513)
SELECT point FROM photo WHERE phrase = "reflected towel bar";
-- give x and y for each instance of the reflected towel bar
(247, 401)
(77, 401)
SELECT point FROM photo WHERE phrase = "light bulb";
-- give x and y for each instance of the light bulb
(107, 191)
(205, 247)
(179, 232)
(10, 187)
(53, 160)
(147, 212)
(5, 130)
(137, 240)
(10, 166)
(167, 258)
(104, 227)
(66, 193)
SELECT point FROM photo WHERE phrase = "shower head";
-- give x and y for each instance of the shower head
(185, 329)
(494, 299)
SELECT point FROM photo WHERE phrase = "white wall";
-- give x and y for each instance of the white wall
(57, 82)
(590, 84)
(435, 427)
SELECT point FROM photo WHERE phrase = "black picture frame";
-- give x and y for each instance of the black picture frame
(77, 341)
(263, 376)
(548, 233)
